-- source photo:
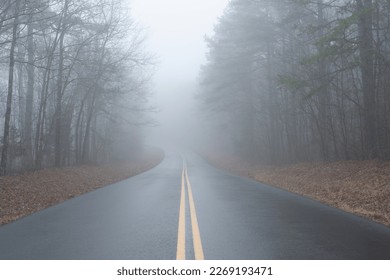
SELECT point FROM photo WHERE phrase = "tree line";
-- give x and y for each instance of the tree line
(300, 80)
(73, 79)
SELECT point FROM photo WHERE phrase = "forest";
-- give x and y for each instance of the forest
(299, 80)
(284, 81)
(73, 82)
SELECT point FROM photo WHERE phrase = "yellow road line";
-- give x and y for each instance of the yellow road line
(181, 236)
(198, 249)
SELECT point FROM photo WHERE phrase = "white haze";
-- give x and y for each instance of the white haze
(175, 34)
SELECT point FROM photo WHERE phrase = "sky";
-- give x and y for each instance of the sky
(175, 34)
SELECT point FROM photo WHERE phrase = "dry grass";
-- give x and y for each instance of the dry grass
(27, 193)
(359, 187)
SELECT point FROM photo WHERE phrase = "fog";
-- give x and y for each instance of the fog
(282, 81)
(175, 34)
(276, 82)
(87, 81)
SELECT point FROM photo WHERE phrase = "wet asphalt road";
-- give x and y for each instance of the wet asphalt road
(238, 219)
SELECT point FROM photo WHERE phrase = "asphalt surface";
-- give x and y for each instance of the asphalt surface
(238, 219)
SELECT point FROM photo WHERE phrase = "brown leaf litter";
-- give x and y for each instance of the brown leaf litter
(358, 187)
(24, 194)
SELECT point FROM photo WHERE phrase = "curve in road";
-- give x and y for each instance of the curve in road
(192, 211)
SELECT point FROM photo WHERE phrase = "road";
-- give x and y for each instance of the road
(188, 209)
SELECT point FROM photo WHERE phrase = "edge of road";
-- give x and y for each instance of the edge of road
(363, 221)
(92, 190)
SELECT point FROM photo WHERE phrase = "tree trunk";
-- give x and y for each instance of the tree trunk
(323, 98)
(4, 152)
(366, 49)
(79, 132)
(58, 111)
(28, 156)
(86, 142)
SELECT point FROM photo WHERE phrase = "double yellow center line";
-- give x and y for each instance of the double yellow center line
(181, 240)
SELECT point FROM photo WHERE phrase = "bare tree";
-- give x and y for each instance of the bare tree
(4, 152)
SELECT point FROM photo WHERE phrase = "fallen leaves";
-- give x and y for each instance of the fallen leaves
(27, 193)
(359, 187)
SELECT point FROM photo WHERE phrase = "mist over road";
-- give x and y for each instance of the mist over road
(185, 208)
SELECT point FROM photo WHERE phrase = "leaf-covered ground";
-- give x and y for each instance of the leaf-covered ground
(359, 187)
(23, 194)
